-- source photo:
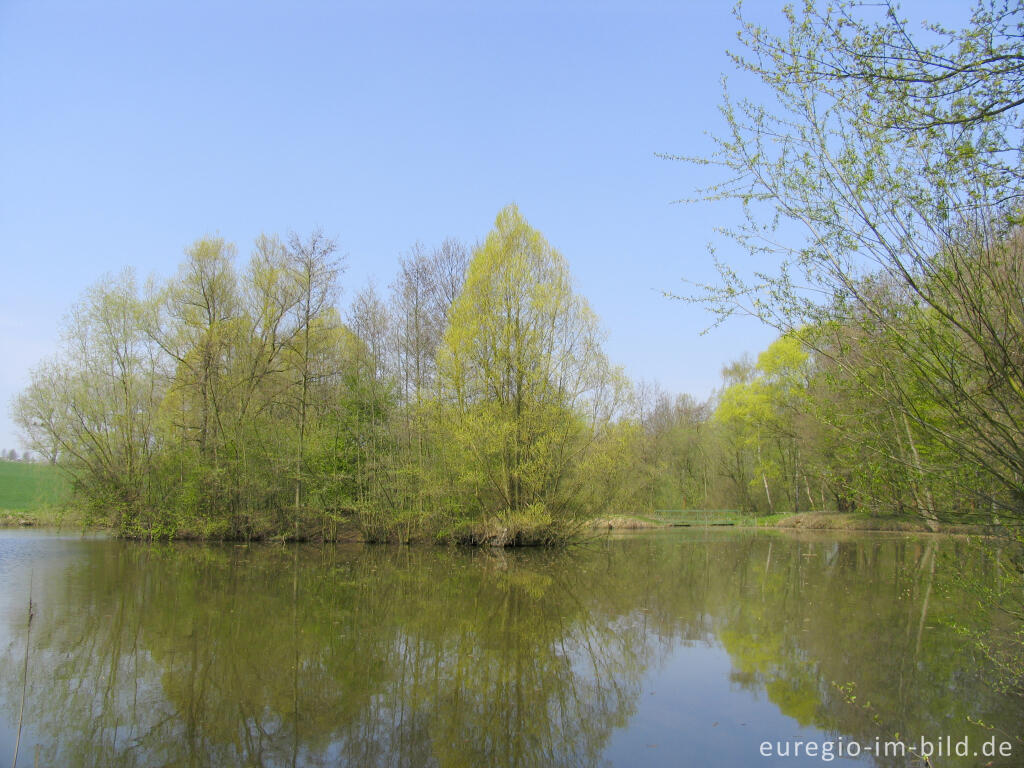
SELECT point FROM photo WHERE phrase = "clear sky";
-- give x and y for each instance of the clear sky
(129, 129)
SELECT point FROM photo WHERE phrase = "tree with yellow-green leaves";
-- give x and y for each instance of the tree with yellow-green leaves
(93, 406)
(759, 416)
(526, 397)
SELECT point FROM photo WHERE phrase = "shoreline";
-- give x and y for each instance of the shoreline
(805, 521)
(68, 519)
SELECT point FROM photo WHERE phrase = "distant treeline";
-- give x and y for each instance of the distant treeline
(474, 404)
(13, 455)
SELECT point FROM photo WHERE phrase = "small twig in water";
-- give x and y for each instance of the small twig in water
(24, 673)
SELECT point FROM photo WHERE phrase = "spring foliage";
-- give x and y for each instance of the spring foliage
(239, 403)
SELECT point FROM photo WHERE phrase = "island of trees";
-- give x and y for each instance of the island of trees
(236, 402)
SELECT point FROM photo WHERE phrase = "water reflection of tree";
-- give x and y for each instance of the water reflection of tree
(858, 637)
(384, 656)
(199, 656)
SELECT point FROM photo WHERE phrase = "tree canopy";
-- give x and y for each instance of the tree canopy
(881, 192)
(523, 381)
(237, 403)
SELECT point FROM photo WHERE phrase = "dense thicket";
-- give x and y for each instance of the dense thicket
(475, 404)
(814, 425)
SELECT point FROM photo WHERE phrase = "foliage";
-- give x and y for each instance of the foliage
(27, 485)
(881, 188)
(475, 405)
(525, 398)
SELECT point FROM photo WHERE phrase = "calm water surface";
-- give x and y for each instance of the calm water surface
(669, 648)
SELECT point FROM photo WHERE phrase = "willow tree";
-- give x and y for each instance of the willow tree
(526, 392)
(197, 323)
(91, 408)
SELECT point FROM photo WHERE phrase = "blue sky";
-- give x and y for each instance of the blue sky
(128, 130)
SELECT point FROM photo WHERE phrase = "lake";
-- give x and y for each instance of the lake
(704, 647)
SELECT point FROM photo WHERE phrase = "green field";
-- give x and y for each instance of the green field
(25, 485)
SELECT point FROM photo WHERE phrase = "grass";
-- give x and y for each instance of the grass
(27, 485)
(40, 517)
(626, 522)
(824, 521)
(859, 521)
(32, 494)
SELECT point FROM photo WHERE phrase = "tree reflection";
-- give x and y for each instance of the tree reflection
(200, 656)
(270, 656)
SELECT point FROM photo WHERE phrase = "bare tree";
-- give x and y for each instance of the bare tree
(313, 273)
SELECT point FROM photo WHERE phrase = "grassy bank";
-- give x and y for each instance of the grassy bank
(27, 485)
(812, 521)
(38, 495)
(627, 523)
(835, 521)
(40, 517)
(675, 518)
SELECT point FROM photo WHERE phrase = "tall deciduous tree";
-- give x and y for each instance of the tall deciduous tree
(525, 387)
(312, 273)
(93, 405)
